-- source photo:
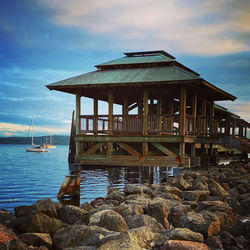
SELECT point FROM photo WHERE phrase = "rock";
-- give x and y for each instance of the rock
(133, 189)
(7, 218)
(36, 239)
(200, 186)
(214, 242)
(138, 197)
(149, 191)
(213, 223)
(169, 203)
(8, 240)
(86, 206)
(183, 245)
(246, 204)
(169, 189)
(71, 214)
(134, 239)
(46, 206)
(160, 212)
(227, 239)
(116, 195)
(97, 202)
(140, 220)
(196, 195)
(129, 209)
(76, 235)
(215, 206)
(111, 190)
(177, 212)
(243, 228)
(180, 183)
(185, 234)
(95, 218)
(82, 248)
(192, 204)
(113, 221)
(38, 223)
(22, 211)
(169, 196)
(216, 189)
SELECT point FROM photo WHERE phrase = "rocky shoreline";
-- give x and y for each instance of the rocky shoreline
(202, 208)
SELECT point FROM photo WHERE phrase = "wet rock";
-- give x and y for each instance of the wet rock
(36, 239)
(160, 212)
(116, 195)
(71, 214)
(7, 218)
(113, 221)
(76, 235)
(214, 242)
(8, 240)
(97, 202)
(133, 189)
(183, 245)
(196, 195)
(216, 189)
(134, 239)
(38, 223)
(46, 206)
(185, 234)
(140, 220)
(129, 209)
(180, 183)
(177, 212)
(86, 206)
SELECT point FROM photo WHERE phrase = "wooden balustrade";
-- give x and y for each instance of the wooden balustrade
(159, 124)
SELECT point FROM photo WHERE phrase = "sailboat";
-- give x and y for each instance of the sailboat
(49, 145)
(35, 148)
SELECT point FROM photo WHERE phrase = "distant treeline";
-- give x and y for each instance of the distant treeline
(55, 139)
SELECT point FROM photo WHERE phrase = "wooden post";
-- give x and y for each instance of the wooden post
(194, 111)
(182, 122)
(145, 120)
(159, 113)
(78, 120)
(110, 120)
(125, 113)
(228, 125)
(240, 130)
(192, 154)
(211, 119)
(140, 105)
(170, 111)
(204, 116)
(233, 127)
(95, 124)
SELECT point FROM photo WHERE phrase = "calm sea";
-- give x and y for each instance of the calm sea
(26, 177)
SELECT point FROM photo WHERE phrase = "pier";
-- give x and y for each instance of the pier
(168, 115)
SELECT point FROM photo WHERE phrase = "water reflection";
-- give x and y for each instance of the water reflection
(95, 181)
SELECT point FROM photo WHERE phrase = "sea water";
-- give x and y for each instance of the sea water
(27, 177)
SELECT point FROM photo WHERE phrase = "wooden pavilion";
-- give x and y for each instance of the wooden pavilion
(168, 114)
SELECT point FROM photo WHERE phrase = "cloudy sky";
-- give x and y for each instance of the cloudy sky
(43, 41)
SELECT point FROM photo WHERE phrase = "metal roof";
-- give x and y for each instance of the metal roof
(128, 75)
(138, 60)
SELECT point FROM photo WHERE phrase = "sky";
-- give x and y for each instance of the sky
(43, 41)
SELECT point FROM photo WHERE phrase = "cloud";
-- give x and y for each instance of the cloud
(239, 108)
(8, 129)
(199, 27)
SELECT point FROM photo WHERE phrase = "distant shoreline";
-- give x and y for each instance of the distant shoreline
(56, 140)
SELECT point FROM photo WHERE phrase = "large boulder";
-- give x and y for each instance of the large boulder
(195, 195)
(181, 183)
(216, 189)
(129, 209)
(183, 245)
(36, 239)
(169, 189)
(86, 206)
(169, 203)
(133, 189)
(38, 223)
(71, 214)
(113, 221)
(7, 218)
(76, 235)
(177, 212)
(116, 195)
(215, 206)
(213, 223)
(8, 240)
(140, 220)
(95, 218)
(160, 212)
(185, 234)
(134, 239)
(46, 206)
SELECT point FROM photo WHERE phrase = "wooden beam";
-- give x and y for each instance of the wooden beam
(194, 110)
(111, 109)
(92, 149)
(145, 113)
(78, 120)
(140, 105)
(204, 115)
(164, 150)
(182, 122)
(129, 149)
(211, 118)
(95, 124)
(159, 112)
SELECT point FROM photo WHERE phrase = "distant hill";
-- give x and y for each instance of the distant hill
(56, 140)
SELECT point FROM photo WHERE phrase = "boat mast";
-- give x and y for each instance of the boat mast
(32, 131)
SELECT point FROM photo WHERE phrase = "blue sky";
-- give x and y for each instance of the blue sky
(43, 41)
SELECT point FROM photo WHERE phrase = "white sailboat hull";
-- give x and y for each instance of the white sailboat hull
(36, 150)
